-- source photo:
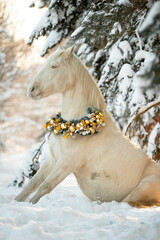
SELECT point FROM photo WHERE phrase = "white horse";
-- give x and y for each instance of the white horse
(107, 166)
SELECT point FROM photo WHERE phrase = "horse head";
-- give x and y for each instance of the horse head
(54, 76)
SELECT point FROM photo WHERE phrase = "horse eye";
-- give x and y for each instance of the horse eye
(53, 66)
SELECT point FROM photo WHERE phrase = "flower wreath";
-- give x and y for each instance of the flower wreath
(88, 125)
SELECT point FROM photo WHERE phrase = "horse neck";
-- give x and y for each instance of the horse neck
(84, 92)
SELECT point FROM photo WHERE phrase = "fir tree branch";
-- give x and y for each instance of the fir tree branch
(137, 31)
(151, 105)
(111, 79)
(38, 152)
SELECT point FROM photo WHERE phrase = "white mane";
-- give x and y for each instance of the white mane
(87, 83)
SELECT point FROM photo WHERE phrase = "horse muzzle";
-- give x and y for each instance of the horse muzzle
(34, 93)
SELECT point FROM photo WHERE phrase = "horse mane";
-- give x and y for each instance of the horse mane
(87, 83)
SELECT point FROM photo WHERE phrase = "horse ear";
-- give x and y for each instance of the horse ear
(61, 50)
(69, 52)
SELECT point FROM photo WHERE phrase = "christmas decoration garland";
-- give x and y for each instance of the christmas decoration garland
(88, 125)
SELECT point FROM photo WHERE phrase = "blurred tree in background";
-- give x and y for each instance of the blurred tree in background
(120, 43)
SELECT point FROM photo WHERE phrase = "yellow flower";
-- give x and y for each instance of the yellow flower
(92, 130)
(102, 119)
(87, 121)
(78, 126)
(99, 127)
(63, 126)
(67, 136)
(58, 128)
(101, 114)
(57, 120)
(72, 129)
(55, 131)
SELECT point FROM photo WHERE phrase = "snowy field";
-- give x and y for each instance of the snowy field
(67, 214)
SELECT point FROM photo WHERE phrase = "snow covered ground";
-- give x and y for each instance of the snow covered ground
(67, 214)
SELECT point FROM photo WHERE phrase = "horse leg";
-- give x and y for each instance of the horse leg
(146, 193)
(61, 170)
(37, 179)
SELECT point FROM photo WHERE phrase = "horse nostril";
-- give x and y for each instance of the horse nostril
(32, 90)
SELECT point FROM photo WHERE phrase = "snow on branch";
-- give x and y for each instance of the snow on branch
(152, 19)
(58, 22)
(141, 111)
(32, 162)
(137, 31)
(151, 141)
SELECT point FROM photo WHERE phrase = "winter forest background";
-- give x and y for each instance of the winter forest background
(119, 41)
